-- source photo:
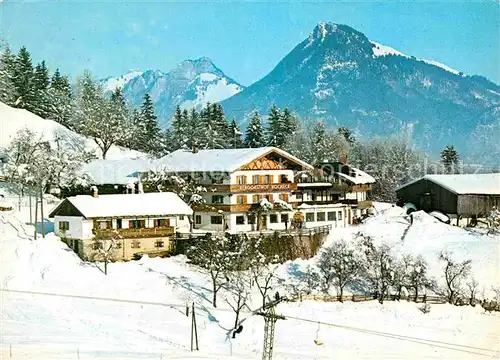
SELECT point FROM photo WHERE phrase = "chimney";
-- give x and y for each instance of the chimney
(94, 191)
(195, 147)
(343, 158)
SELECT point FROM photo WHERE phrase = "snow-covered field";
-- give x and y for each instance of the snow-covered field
(152, 325)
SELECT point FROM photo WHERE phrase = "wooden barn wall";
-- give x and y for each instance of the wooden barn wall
(439, 199)
(477, 204)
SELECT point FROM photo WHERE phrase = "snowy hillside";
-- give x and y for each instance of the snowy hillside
(13, 120)
(192, 83)
(144, 314)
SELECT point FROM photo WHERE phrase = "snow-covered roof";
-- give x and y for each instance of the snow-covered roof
(125, 205)
(124, 171)
(360, 177)
(222, 160)
(481, 184)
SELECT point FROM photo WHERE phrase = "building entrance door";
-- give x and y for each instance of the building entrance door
(263, 222)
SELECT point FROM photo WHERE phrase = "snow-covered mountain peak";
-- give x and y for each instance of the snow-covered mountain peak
(191, 68)
(112, 83)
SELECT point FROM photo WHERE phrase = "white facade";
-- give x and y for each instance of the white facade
(77, 227)
(336, 215)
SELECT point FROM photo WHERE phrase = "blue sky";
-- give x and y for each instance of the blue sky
(246, 39)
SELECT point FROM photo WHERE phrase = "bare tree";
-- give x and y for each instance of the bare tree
(237, 293)
(263, 272)
(472, 285)
(454, 274)
(417, 277)
(339, 265)
(105, 250)
(379, 265)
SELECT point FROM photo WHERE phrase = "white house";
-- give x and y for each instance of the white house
(140, 222)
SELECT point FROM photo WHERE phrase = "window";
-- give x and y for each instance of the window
(217, 179)
(63, 225)
(283, 197)
(255, 199)
(284, 218)
(181, 217)
(136, 244)
(320, 216)
(159, 244)
(197, 219)
(97, 245)
(217, 199)
(268, 179)
(273, 218)
(251, 218)
(255, 179)
(162, 222)
(240, 220)
(298, 196)
(339, 217)
(269, 197)
(216, 220)
(117, 245)
(310, 217)
(105, 225)
(137, 224)
(332, 216)
(118, 223)
(241, 199)
(241, 180)
(283, 179)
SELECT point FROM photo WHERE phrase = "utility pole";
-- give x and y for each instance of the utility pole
(194, 331)
(270, 318)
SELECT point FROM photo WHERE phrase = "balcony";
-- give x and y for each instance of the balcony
(103, 234)
(229, 208)
(365, 204)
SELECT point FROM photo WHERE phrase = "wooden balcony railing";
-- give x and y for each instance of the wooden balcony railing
(133, 233)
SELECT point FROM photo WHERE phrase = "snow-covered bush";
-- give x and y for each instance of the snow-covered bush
(281, 204)
(493, 221)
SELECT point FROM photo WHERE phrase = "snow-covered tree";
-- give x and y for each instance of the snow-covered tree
(163, 179)
(340, 265)
(379, 265)
(347, 134)
(450, 159)
(61, 99)
(392, 162)
(276, 131)
(235, 141)
(41, 84)
(7, 90)
(454, 275)
(254, 135)
(101, 119)
(237, 293)
(418, 278)
(23, 81)
(179, 129)
(493, 221)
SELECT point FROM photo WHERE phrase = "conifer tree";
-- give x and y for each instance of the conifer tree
(6, 77)
(179, 128)
(41, 84)
(152, 130)
(347, 134)
(254, 135)
(61, 99)
(276, 135)
(195, 131)
(235, 141)
(450, 159)
(23, 78)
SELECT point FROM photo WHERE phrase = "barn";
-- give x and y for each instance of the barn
(463, 197)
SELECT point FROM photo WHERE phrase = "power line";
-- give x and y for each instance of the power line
(399, 337)
(435, 343)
